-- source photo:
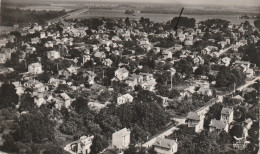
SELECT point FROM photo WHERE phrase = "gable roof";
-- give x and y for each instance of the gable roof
(193, 116)
(165, 143)
(217, 124)
(226, 111)
(122, 132)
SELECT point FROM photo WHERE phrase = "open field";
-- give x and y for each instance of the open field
(5, 29)
(96, 13)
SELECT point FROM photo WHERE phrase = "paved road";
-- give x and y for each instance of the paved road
(202, 109)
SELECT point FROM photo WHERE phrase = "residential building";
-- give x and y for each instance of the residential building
(165, 146)
(53, 55)
(195, 120)
(81, 146)
(217, 125)
(121, 74)
(35, 68)
(227, 115)
(122, 99)
(121, 139)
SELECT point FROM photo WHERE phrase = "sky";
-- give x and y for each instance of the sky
(207, 2)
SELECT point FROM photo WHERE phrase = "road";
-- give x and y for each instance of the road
(73, 13)
(203, 109)
(225, 50)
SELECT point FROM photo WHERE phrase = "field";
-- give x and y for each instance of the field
(5, 29)
(98, 13)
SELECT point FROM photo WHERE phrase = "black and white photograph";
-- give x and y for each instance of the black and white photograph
(129, 76)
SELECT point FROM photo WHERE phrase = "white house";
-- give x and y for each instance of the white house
(81, 146)
(124, 99)
(121, 139)
(165, 146)
(35, 68)
(227, 115)
(121, 74)
(195, 120)
(53, 55)
(167, 54)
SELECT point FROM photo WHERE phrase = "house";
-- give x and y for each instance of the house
(198, 60)
(222, 43)
(250, 73)
(56, 82)
(19, 88)
(100, 55)
(35, 68)
(3, 58)
(122, 99)
(248, 123)
(178, 47)
(121, 74)
(227, 115)
(165, 146)
(195, 120)
(217, 125)
(86, 58)
(81, 146)
(49, 44)
(30, 50)
(91, 77)
(149, 82)
(121, 139)
(245, 65)
(167, 54)
(107, 62)
(225, 61)
(205, 91)
(64, 100)
(240, 143)
(208, 50)
(42, 98)
(69, 71)
(181, 37)
(3, 42)
(188, 42)
(42, 35)
(53, 55)
(35, 40)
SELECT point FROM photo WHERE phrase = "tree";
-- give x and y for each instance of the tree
(68, 127)
(62, 88)
(213, 113)
(98, 144)
(206, 142)
(236, 130)
(127, 21)
(34, 126)
(27, 103)
(202, 70)
(80, 105)
(8, 96)
(44, 77)
(257, 24)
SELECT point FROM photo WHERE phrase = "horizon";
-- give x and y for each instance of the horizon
(252, 3)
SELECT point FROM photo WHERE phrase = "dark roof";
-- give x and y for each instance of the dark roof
(217, 124)
(226, 111)
(193, 116)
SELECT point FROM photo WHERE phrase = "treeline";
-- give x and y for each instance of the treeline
(189, 12)
(12, 16)
(183, 22)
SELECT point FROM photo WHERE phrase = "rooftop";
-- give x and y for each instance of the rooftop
(165, 143)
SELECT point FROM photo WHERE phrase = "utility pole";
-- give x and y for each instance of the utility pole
(176, 26)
